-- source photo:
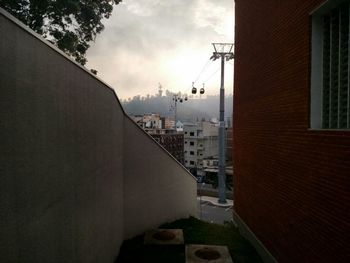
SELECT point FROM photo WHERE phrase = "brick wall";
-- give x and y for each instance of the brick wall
(292, 185)
(173, 143)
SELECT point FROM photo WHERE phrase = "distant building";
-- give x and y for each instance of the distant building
(173, 143)
(169, 123)
(211, 169)
(200, 141)
(162, 130)
(179, 126)
(151, 121)
(138, 119)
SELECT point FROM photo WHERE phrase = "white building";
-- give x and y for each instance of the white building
(200, 141)
(152, 121)
(179, 126)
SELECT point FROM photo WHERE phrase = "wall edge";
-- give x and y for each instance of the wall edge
(245, 231)
(27, 29)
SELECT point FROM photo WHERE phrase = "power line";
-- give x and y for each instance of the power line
(206, 64)
(212, 75)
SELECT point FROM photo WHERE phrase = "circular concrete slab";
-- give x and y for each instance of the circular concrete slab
(164, 237)
(207, 254)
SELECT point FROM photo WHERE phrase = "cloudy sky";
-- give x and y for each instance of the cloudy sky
(146, 42)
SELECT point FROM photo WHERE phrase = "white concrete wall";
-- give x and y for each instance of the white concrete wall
(70, 189)
(155, 184)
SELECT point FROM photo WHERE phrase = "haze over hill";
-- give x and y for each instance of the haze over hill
(193, 109)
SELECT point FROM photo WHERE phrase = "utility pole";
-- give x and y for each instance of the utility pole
(223, 51)
(177, 98)
(175, 109)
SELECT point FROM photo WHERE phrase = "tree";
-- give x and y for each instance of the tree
(69, 24)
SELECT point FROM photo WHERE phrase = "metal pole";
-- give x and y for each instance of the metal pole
(175, 119)
(221, 53)
(221, 174)
(200, 201)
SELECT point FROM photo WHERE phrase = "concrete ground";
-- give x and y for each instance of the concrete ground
(208, 190)
(211, 211)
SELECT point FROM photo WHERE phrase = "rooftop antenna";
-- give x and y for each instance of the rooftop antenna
(160, 90)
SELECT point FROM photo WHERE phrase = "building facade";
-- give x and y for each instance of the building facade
(291, 128)
(200, 141)
(173, 143)
(158, 128)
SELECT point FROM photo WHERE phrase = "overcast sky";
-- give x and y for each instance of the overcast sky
(146, 42)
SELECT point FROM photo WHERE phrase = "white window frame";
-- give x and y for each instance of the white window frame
(316, 93)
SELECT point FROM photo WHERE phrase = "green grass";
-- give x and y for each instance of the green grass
(195, 232)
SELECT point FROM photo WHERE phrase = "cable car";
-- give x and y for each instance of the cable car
(194, 90)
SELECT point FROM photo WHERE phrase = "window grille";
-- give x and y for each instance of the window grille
(336, 88)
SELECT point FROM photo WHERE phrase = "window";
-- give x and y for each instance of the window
(192, 162)
(191, 152)
(185, 142)
(191, 143)
(330, 75)
(191, 133)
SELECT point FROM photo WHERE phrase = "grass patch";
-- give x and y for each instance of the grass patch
(195, 232)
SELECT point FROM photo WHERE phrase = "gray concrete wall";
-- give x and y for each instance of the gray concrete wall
(155, 185)
(62, 158)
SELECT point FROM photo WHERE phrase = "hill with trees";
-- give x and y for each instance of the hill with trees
(192, 109)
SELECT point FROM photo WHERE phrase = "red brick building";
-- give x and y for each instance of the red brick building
(291, 128)
(173, 143)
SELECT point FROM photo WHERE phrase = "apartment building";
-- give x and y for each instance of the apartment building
(161, 129)
(200, 141)
(173, 143)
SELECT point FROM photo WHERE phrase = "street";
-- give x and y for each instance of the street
(212, 213)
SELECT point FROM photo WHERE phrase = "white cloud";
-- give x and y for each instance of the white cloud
(219, 17)
(151, 41)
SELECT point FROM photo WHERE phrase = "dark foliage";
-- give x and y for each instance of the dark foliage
(70, 25)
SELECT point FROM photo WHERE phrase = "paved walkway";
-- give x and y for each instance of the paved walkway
(215, 201)
(210, 210)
